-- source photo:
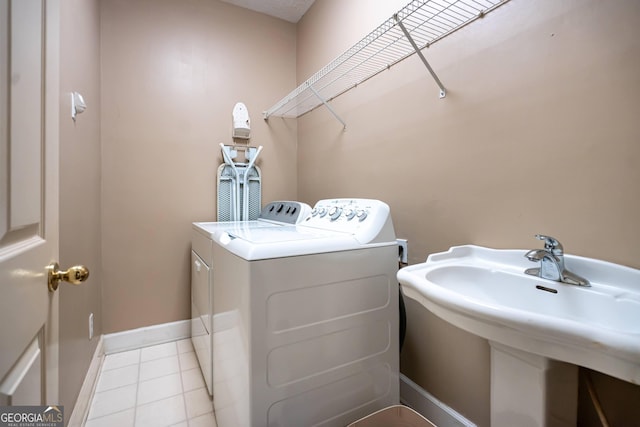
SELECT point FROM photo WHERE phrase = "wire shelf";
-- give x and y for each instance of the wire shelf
(425, 22)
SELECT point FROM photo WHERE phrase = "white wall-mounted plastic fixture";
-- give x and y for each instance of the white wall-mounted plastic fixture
(241, 122)
(77, 105)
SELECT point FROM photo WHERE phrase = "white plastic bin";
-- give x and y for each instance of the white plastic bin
(393, 416)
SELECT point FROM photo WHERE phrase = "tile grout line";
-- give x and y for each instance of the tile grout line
(135, 405)
(184, 397)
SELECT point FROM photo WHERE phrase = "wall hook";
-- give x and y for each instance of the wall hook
(77, 104)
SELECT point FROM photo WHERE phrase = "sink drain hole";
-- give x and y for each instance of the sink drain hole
(544, 288)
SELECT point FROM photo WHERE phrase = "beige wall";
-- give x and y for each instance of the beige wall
(539, 133)
(171, 73)
(79, 192)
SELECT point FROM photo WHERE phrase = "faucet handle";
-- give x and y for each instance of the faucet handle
(551, 244)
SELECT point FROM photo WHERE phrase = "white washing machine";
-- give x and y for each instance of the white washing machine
(305, 318)
(274, 214)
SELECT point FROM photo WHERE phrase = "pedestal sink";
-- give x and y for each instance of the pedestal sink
(539, 330)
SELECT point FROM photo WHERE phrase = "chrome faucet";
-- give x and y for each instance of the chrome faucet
(551, 260)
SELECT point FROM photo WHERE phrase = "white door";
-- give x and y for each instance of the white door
(29, 33)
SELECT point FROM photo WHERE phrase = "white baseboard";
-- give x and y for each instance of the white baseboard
(147, 336)
(81, 409)
(429, 407)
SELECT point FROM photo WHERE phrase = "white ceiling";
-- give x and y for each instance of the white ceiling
(289, 10)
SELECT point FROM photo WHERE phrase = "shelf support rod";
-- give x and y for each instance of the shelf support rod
(443, 91)
(326, 104)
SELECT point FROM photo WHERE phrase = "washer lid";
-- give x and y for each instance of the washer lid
(284, 233)
(285, 241)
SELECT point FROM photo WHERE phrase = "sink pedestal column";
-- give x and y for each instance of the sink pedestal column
(528, 390)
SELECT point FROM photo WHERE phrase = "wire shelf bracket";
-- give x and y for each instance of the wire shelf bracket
(443, 91)
(419, 24)
(326, 104)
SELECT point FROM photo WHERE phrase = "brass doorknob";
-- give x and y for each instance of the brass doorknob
(75, 275)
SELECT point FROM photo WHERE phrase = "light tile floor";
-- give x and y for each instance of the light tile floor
(152, 387)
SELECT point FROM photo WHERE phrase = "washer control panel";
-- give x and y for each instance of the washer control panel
(286, 212)
(364, 218)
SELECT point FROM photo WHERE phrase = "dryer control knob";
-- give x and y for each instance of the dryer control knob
(362, 215)
(334, 213)
(322, 212)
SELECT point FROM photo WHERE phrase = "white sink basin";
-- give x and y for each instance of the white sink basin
(485, 291)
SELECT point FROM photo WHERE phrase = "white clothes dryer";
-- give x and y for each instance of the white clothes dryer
(274, 214)
(305, 318)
